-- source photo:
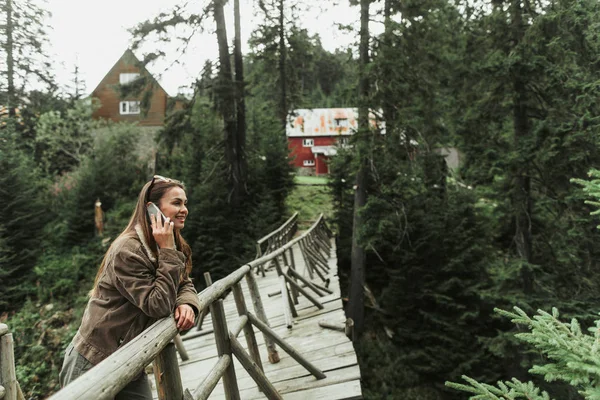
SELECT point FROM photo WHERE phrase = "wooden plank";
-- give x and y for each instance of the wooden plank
(346, 390)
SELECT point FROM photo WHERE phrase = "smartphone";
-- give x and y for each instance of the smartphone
(154, 210)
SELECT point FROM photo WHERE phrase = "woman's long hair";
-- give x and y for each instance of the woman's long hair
(140, 218)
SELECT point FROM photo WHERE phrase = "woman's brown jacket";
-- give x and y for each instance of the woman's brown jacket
(134, 291)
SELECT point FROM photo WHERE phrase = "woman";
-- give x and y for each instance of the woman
(144, 276)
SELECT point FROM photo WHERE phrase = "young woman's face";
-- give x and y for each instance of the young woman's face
(173, 205)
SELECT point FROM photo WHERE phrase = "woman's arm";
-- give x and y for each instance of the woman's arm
(156, 293)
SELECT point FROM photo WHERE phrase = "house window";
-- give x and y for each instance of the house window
(129, 107)
(341, 122)
(308, 142)
(309, 163)
(343, 141)
(129, 77)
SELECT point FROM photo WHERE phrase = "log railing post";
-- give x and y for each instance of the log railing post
(167, 374)
(8, 377)
(217, 313)
(240, 303)
(180, 348)
(260, 313)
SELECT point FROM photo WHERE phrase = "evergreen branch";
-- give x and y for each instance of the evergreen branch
(509, 390)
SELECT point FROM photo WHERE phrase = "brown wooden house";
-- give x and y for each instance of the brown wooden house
(118, 108)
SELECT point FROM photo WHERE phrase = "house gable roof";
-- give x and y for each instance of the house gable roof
(128, 58)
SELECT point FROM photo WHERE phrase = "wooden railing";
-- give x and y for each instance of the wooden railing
(107, 378)
(315, 247)
(9, 387)
(276, 239)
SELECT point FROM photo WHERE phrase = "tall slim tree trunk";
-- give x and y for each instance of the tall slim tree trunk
(389, 112)
(522, 202)
(283, 108)
(227, 103)
(10, 63)
(357, 276)
(241, 103)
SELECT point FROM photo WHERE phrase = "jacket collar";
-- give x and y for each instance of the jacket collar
(140, 233)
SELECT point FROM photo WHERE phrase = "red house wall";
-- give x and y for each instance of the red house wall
(299, 153)
(321, 165)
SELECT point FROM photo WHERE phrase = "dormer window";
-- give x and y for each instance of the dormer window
(128, 77)
(341, 122)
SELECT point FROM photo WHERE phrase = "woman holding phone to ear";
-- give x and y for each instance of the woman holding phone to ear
(144, 276)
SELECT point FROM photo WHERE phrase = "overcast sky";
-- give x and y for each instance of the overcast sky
(93, 35)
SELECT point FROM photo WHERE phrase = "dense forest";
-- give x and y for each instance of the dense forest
(426, 252)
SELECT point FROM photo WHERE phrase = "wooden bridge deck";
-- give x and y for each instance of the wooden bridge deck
(330, 351)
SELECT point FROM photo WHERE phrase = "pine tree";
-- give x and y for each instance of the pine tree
(23, 214)
(23, 42)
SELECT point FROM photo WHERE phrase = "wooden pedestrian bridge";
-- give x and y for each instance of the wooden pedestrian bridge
(286, 303)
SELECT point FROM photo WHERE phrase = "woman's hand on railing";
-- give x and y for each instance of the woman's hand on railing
(184, 316)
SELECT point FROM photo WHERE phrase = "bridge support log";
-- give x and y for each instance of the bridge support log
(287, 306)
(303, 291)
(317, 373)
(167, 375)
(254, 370)
(210, 382)
(180, 348)
(320, 290)
(306, 260)
(217, 313)
(240, 304)
(260, 312)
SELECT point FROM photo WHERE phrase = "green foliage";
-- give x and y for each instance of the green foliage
(22, 216)
(310, 202)
(572, 357)
(63, 139)
(592, 189)
(511, 390)
(41, 333)
(113, 173)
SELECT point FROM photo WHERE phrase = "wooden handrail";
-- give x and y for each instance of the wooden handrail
(279, 251)
(276, 231)
(278, 237)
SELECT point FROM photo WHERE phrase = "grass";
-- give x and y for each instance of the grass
(311, 180)
(310, 201)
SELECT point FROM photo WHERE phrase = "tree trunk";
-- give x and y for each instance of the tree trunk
(522, 202)
(389, 113)
(227, 104)
(242, 165)
(10, 63)
(357, 276)
(283, 109)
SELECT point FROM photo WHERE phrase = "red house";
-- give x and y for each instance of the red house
(314, 135)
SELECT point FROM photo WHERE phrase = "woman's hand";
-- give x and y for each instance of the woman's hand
(162, 232)
(184, 316)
